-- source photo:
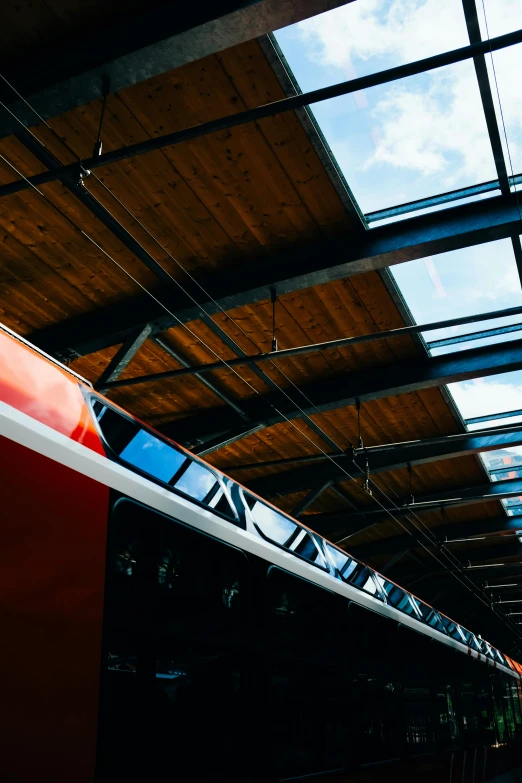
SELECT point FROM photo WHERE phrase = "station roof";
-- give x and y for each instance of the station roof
(177, 248)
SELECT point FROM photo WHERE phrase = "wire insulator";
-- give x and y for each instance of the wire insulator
(273, 299)
(411, 500)
(360, 444)
(366, 483)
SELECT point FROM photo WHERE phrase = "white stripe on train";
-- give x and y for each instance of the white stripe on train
(32, 434)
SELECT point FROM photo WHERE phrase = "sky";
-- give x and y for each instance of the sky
(418, 137)
(415, 137)
(162, 461)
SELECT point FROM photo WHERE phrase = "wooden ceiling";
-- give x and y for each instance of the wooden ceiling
(221, 203)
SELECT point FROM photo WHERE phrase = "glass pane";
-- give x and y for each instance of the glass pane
(305, 546)
(507, 63)
(503, 16)
(369, 36)
(462, 282)
(274, 526)
(484, 396)
(504, 463)
(153, 456)
(453, 629)
(412, 138)
(196, 481)
(400, 599)
(339, 558)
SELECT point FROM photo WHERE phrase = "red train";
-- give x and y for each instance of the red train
(148, 600)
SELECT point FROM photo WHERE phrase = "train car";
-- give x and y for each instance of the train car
(161, 622)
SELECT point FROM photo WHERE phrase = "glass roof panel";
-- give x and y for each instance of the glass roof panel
(484, 396)
(368, 36)
(508, 62)
(463, 282)
(503, 16)
(504, 463)
(409, 139)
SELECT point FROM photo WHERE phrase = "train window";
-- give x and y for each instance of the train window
(167, 577)
(431, 617)
(282, 531)
(453, 629)
(400, 599)
(305, 626)
(338, 558)
(305, 546)
(360, 576)
(196, 481)
(153, 456)
(149, 454)
(270, 523)
(176, 631)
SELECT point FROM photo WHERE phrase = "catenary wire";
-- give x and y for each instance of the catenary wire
(181, 267)
(156, 240)
(228, 317)
(348, 475)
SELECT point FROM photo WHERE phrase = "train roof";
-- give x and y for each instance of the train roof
(275, 526)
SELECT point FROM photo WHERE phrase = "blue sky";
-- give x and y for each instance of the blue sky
(162, 461)
(418, 137)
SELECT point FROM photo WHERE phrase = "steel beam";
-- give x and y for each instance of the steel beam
(343, 342)
(459, 496)
(462, 530)
(495, 568)
(471, 336)
(472, 23)
(266, 379)
(277, 107)
(123, 357)
(74, 183)
(382, 458)
(209, 384)
(309, 500)
(144, 47)
(495, 416)
(393, 561)
(297, 268)
(439, 200)
(378, 382)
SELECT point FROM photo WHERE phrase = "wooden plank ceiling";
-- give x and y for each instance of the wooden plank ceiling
(220, 203)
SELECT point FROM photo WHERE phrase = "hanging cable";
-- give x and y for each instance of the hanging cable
(83, 173)
(273, 299)
(360, 444)
(106, 87)
(327, 456)
(411, 499)
(501, 112)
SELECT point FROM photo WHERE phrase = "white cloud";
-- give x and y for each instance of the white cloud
(424, 129)
(404, 29)
(484, 396)
(439, 128)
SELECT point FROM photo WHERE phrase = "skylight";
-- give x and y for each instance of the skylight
(421, 144)
(413, 138)
(488, 396)
(469, 281)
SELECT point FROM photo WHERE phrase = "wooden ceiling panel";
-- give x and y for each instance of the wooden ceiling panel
(219, 205)
(154, 404)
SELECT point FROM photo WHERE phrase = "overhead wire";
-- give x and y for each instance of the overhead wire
(166, 251)
(348, 475)
(198, 338)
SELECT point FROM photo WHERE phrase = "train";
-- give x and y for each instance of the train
(161, 621)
